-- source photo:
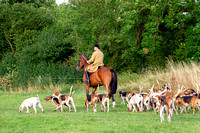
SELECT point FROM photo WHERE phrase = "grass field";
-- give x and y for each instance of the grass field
(117, 120)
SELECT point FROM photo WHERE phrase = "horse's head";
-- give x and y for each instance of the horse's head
(82, 62)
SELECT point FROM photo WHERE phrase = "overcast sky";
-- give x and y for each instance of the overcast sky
(61, 1)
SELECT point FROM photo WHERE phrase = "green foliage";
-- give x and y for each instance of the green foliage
(20, 23)
(43, 59)
(8, 64)
(49, 47)
(36, 3)
(125, 29)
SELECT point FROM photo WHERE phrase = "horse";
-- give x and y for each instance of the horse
(103, 76)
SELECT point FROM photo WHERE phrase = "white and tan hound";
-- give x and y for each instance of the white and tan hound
(103, 99)
(65, 99)
(31, 102)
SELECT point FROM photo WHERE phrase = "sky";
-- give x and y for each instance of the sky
(61, 1)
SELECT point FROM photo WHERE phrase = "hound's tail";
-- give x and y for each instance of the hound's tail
(38, 97)
(71, 93)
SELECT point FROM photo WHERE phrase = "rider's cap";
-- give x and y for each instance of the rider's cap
(97, 45)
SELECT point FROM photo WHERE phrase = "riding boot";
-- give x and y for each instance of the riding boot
(87, 76)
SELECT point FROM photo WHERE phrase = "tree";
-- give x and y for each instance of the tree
(20, 23)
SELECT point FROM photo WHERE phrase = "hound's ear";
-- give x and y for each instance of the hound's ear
(133, 94)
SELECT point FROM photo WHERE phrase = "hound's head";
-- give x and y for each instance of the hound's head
(48, 98)
(167, 88)
(120, 92)
(129, 106)
(128, 95)
(21, 108)
(190, 91)
(156, 98)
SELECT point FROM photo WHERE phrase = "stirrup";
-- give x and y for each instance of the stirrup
(87, 81)
(87, 77)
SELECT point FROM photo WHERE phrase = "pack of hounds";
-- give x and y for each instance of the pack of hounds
(159, 100)
(162, 100)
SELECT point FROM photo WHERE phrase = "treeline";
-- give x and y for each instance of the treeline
(41, 39)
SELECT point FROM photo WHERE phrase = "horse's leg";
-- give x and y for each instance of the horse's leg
(113, 100)
(87, 89)
(93, 90)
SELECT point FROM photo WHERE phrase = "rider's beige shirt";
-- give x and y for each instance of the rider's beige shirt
(97, 59)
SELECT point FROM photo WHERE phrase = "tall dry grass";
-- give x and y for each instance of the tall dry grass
(181, 73)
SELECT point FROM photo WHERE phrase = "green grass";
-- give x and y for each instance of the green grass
(117, 120)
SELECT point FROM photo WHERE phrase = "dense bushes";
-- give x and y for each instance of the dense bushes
(20, 23)
(33, 46)
(49, 47)
(31, 73)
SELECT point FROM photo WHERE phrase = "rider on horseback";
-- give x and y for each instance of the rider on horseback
(97, 59)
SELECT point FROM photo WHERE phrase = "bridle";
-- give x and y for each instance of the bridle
(80, 60)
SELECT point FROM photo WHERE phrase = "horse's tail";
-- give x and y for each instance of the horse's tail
(114, 85)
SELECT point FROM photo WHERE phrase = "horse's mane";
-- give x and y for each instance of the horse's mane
(86, 57)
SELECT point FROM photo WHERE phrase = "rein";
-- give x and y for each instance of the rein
(84, 58)
(80, 60)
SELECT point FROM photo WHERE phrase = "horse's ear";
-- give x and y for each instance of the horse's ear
(80, 55)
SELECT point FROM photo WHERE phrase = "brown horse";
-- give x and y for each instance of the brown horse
(104, 76)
